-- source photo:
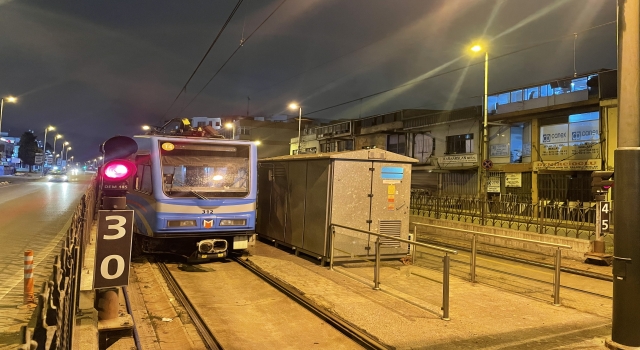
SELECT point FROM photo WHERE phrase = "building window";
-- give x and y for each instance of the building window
(396, 143)
(201, 124)
(460, 144)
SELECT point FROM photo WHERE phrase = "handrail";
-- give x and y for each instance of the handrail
(419, 244)
(474, 253)
(376, 269)
(556, 245)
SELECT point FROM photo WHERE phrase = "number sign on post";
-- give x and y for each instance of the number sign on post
(605, 208)
(113, 248)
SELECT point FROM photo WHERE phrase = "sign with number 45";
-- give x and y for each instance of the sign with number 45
(113, 248)
(605, 208)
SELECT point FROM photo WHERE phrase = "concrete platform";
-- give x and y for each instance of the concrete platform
(405, 313)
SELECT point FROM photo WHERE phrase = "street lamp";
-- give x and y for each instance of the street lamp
(44, 150)
(66, 155)
(485, 148)
(232, 126)
(9, 99)
(58, 136)
(146, 127)
(295, 106)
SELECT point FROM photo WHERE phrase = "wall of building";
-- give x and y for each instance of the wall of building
(373, 140)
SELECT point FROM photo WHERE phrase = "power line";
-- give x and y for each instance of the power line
(232, 54)
(456, 69)
(184, 88)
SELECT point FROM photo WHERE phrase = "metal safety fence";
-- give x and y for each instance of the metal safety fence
(58, 300)
(561, 219)
(353, 244)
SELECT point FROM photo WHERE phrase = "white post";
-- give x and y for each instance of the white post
(299, 125)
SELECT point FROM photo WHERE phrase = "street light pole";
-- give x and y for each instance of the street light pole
(55, 139)
(9, 99)
(299, 126)
(44, 148)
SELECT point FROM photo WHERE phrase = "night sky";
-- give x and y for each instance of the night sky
(96, 69)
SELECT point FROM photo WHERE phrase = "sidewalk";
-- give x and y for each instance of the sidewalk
(405, 313)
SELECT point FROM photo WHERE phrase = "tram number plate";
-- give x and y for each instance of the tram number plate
(207, 211)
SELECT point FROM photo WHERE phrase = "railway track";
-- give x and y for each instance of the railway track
(217, 317)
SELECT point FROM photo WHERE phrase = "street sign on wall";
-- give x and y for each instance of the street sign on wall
(113, 248)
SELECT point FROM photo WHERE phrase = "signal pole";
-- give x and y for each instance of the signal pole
(626, 261)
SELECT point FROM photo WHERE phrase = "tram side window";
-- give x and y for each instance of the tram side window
(146, 185)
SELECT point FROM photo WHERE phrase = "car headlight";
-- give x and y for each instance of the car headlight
(49, 177)
(64, 177)
(233, 222)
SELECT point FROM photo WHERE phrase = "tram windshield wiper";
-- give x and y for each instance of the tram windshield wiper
(198, 195)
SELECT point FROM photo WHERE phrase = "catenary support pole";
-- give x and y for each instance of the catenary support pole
(626, 262)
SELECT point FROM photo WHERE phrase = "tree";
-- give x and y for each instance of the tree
(28, 149)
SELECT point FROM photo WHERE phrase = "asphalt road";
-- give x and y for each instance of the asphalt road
(34, 214)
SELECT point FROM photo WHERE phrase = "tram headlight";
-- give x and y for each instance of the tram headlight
(233, 222)
(181, 223)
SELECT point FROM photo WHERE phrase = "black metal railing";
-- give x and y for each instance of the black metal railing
(58, 300)
(543, 217)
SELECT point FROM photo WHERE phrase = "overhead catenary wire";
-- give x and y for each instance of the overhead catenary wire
(457, 69)
(232, 54)
(184, 88)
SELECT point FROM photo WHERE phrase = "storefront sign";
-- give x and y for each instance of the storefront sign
(513, 180)
(493, 185)
(462, 158)
(500, 150)
(575, 164)
(554, 133)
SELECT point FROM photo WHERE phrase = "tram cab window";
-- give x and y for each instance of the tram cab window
(205, 170)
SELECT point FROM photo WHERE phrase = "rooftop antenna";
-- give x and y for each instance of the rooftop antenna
(575, 37)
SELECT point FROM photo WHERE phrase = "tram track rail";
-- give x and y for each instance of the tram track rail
(345, 328)
(361, 338)
(207, 336)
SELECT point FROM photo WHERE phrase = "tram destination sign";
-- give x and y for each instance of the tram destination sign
(113, 248)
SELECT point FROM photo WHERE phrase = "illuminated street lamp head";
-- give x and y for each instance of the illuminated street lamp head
(100, 157)
(66, 143)
(50, 128)
(68, 148)
(146, 127)
(58, 136)
(229, 125)
(257, 142)
(293, 105)
(476, 48)
(11, 99)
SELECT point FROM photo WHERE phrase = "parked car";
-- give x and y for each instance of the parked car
(57, 175)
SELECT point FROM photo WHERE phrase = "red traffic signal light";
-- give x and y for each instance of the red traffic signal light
(118, 170)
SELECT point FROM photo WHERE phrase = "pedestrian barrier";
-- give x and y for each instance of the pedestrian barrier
(58, 300)
(474, 253)
(378, 245)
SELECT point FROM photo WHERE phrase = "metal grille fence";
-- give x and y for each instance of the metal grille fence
(559, 219)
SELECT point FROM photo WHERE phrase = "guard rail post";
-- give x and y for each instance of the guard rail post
(445, 287)
(474, 254)
(556, 278)
(376, 271)
(333, 238)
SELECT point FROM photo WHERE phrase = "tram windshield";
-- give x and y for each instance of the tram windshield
(204, 171)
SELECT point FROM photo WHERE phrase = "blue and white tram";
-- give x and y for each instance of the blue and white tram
(194, 195)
